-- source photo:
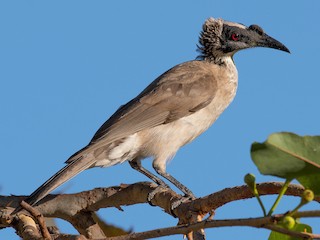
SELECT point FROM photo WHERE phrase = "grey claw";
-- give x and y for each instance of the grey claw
(158, 189)
(184, 199)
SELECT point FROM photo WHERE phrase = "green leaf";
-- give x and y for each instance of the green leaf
(290, 156)
(299, 227)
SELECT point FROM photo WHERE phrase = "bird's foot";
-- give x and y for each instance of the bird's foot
(158, 189)
(186, 198)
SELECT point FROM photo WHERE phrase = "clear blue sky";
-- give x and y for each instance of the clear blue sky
(66, 66)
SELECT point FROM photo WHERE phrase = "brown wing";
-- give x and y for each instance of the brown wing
(177, 93)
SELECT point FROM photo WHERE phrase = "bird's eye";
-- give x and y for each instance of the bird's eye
(235, 37)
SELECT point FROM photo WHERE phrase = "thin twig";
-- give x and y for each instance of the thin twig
(262, 222)
(38, 216)
(303, 235)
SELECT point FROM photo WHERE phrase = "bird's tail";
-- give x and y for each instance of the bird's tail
(66, 173)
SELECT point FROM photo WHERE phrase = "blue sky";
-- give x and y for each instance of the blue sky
(66, 66)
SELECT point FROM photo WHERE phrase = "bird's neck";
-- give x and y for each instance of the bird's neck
(226, 64)
(219, 60)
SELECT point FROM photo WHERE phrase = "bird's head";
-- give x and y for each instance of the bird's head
(220, 38)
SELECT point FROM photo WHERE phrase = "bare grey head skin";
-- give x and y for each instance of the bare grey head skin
(220, 38)
(171, 112)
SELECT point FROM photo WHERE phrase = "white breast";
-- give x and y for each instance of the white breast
(227, 87)
(164, 140)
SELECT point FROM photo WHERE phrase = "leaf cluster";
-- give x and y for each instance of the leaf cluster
(289, 156)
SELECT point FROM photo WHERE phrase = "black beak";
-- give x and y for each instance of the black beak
(269, 42)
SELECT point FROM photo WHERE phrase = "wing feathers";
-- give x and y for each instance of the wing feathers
(177, 93)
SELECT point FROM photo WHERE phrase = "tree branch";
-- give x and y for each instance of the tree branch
(81, 205)
(218, 199)
(262, 222)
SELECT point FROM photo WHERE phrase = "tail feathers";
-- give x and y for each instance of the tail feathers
(69, 171)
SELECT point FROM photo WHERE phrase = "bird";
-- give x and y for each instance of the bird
(171, 111)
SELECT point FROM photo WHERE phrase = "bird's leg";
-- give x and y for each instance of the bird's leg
(178, 184)
(136, 165)
(162, 172)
